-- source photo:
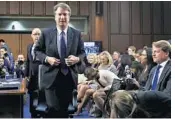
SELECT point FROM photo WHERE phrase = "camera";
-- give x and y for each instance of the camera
(128, 84)
(5, 55)
(20, 62)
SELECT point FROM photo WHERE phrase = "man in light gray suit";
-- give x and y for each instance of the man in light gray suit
(61, 52)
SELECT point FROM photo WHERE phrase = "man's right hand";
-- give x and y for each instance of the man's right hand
(53, 61)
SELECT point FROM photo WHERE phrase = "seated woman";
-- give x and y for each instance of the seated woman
(148, 64)
(106, 62)
(84, 85)
(140, 104)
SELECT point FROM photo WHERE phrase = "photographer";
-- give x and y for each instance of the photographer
(20, 66)
(104, 79)
(3, 69)
(140, 104)
(8, 59)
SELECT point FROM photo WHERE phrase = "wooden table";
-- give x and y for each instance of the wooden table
(12, 101)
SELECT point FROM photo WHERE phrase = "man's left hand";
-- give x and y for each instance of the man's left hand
(73, 59)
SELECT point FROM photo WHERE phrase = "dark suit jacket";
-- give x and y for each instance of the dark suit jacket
(156, 103)
(31, 69)
(47, 46)
(164, 83)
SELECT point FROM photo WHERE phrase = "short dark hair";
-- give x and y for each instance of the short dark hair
(2, 40)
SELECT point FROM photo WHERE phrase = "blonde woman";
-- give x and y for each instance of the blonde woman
(106, 62)
(83, 85)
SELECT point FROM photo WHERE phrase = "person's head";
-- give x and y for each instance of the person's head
(116, 55)
(21, 57)
(2, 42)
(91, 73)
(62, 13)
(131, 50)
(138, 55)
(126, 60)
(146, 56)
(161, 51)
(92, 58)
(3, 51)
(36, 33)
(105, 58)
(122, 103)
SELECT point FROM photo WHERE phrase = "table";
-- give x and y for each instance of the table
(11, 101)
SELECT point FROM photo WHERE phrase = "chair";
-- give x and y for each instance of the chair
(41, 109)
(39, 102)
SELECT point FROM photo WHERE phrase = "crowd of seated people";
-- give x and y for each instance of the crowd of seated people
(141, 68)
(148, 70)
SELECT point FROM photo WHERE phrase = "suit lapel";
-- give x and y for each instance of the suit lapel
(53, 40)
(30, 50)
(165, 70)
(69, 40)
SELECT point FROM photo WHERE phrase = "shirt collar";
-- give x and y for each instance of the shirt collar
(65, 30)
(164, 63)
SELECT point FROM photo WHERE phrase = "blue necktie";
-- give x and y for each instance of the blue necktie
(64, 68)
(156, 77)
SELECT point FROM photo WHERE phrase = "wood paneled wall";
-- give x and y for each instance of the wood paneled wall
(138, 23)
(122, 24)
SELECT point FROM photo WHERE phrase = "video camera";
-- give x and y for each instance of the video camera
(127, 82)
(20, 62)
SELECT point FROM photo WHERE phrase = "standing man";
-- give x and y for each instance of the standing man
(61, 52)
(31, 70)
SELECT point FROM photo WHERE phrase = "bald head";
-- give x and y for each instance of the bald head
(36, 32)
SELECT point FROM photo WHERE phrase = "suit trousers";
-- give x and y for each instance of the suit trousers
(32, 87)
(59, 95)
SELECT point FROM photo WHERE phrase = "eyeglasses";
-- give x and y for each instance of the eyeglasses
(143, 54)
(36, 34)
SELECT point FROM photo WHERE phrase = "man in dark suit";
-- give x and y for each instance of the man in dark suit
(61, 52)
(31, 71)
(116, 56)
(160, 76)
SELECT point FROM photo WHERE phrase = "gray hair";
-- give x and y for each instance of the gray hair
(164, 45)
(62, 5)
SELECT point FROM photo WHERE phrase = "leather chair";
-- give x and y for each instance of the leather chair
(41, 108)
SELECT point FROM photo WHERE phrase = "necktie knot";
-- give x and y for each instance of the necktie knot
(62, 33)
(159, 66)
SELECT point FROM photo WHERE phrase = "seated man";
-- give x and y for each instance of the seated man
(8, 59)
(3, 69)
(20, 66)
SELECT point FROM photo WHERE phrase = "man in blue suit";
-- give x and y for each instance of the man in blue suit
(61, 51)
